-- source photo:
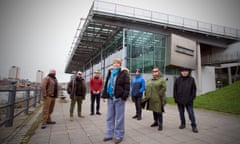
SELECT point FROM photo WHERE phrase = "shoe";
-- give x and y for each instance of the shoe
(106, 139)
(139, 118)
(160, 128)
(117, 141)
(91, 114)
(134, 117)
(43, 126)
(71, 118)
(81, 116)
(182, 127)
(98, 113)
(51, 122)
(195, 130)
(154, 124)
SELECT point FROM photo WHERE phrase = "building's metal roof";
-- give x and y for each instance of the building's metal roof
(105, 19)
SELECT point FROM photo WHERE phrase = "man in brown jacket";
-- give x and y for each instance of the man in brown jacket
(77, 91)
(49, 94)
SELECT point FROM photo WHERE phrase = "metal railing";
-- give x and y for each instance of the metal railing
(168, 20)
(17, 101)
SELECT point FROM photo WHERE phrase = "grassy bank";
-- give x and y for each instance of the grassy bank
(226, 99)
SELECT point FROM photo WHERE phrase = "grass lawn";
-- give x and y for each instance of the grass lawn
(226, 99)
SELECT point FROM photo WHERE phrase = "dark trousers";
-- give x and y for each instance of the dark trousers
(190, 111)
(93, 98)
(158, 118)
(137, 101)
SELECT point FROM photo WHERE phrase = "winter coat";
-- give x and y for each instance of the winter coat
(49, 87)
(154, 94)
(184, 90)
(77, 87)
(96, 84)
(122, 85)
(138, 86)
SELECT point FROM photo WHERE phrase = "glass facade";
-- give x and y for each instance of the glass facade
(145, 50)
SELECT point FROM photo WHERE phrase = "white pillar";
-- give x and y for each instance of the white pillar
(229, 75)
(199, 70)
(124, 50)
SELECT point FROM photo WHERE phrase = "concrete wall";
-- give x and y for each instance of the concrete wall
(208, 79)
(221, 55)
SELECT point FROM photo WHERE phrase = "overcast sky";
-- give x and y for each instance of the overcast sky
(37, 34)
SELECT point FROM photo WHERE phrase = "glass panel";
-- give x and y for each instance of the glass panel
(146, 50)
(113, 44)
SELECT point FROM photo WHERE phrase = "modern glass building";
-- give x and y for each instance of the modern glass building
(145, 39)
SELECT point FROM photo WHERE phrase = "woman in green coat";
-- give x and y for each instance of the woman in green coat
(154, 94)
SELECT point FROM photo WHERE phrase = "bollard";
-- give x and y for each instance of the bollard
(11, 102)
(35, 96)
(27, 99)
(40, 95)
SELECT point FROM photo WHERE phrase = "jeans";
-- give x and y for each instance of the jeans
(115, 118)
(190, 111)
(77, 99)
(93, 98)
(137, 101)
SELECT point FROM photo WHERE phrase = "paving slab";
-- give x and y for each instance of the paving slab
(214, 127)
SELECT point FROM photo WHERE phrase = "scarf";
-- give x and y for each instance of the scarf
(111, 82)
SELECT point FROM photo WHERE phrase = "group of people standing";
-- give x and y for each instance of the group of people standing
(76, 89)
(116, 89)
(184, 93)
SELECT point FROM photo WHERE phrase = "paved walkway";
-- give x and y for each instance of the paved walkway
(213, 127)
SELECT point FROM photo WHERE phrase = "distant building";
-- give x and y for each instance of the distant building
(14, 73)
(39, 76)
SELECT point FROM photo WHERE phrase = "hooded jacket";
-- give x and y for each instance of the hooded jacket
(184, 90)
(138, 86)
(122, 84)
(154, 93)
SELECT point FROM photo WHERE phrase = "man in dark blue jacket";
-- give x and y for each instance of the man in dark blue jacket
(137, 89)
(184, 93)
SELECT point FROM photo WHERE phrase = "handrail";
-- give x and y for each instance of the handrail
(170, 20)
(32, 97)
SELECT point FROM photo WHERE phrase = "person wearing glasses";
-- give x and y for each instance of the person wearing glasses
(77, 90)
(154, 95)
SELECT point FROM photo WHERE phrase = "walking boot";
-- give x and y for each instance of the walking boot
(43, 126)
(154, 124)
(181, 126)
(134, 117)
(195, 130)
(160, 127)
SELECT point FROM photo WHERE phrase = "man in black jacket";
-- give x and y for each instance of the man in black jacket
(77, 91)
(184, 94)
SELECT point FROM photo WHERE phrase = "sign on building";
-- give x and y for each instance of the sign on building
(181, 52)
